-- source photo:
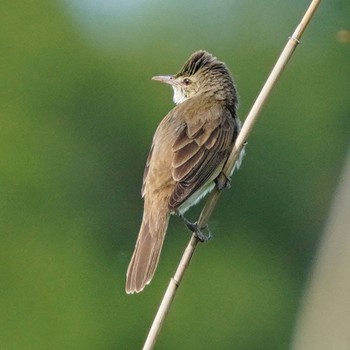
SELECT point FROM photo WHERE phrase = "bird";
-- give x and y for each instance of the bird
(189, 150)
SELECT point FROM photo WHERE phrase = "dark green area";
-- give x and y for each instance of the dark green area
(78, 111)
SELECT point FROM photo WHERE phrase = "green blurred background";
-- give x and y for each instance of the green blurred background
(78, 111)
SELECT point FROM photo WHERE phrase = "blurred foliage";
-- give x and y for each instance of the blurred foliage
(78, 111)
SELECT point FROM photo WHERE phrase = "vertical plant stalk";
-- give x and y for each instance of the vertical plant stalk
(208, 209)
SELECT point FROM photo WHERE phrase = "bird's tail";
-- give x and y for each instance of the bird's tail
(147, 251)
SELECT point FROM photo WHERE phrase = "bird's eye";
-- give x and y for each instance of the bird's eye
(187, 81)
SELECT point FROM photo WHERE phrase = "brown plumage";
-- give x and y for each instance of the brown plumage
(189, 150)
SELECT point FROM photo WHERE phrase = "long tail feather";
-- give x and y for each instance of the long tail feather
(147, 251)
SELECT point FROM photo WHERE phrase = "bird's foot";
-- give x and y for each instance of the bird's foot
(223, 182)
(198, 231)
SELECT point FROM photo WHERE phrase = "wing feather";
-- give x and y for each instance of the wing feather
(181, 170)
(199, 150)
(185, 154)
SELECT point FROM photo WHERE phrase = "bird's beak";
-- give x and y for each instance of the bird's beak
(167, 79)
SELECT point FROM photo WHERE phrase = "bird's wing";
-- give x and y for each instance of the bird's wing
(203, 144)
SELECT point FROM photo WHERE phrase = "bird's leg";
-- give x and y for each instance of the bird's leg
(193, 227)
(223, 182)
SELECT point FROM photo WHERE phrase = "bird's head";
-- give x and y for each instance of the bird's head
(201, 74)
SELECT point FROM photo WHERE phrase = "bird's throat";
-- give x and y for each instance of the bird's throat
(179, 95)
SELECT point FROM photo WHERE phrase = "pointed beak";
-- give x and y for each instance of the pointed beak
(167, 79)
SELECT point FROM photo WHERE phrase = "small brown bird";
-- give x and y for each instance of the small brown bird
(189, 150)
